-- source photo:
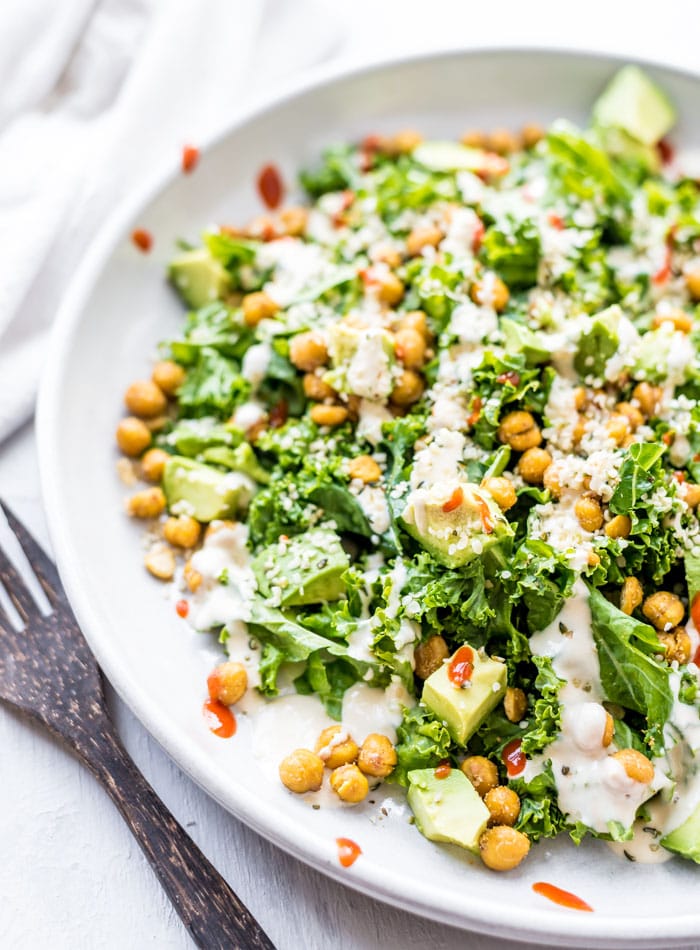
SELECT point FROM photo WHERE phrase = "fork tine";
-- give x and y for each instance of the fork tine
(40, 562)
(16, 589)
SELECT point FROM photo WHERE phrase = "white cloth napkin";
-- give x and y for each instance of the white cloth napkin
(93, 95)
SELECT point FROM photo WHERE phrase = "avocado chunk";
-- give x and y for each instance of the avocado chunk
(633, 103)
(457, 527)
(464, 708)
(446, 156)
(598, 344)
(204, 492)
(692, 575)
(363, 361)
(521, 339)
(241, 459)
(198, 278)
(308, 569)
(447, 809)
(685, 840)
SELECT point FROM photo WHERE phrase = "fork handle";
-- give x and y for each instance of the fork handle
(215, 918)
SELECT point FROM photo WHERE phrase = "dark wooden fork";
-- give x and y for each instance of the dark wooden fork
(48, 673)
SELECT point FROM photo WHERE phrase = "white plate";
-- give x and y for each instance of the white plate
(117, 310)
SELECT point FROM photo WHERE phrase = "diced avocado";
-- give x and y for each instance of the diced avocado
(692, 574)
(241, 459)
(685, 840)
(464, 708)
(598, 344)
(448, 156)
(309, 569)
(618, 143)
(199, 278)
(203, 492)
(363, 361)
(633, 103)
(457, 528)
(521, 339)
(447, 809)
(652, 355)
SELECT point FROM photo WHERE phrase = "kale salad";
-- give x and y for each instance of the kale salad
(426, 459)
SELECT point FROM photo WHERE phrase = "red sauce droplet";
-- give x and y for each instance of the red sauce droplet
(510, 377)
(666, 151)
(695, 614)
(513, 758)
(454, 501)
(461, 666)
(486, 519)
(270, 186)
(219, 718)
(476, 411)
(182, 608)
(142, 239)
(443, 769)
(348, 851)
(190, 158)
(478, 237)
(279, 414)
(556, 221)
(679, 477)
(668, 437)
(558, 896)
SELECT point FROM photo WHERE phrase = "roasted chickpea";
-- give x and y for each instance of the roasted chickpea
(690, 493)
(308, 351)
(429, 656)
(386, 255)
(531, 134)
(618, 527)
(609, 730)
(490, 291)
(182, 532)
(192, 577)
(404, 141)
(677, 645)
(148, 503)
(589, 513)
(637, 766)
(349, 784)
(520, 431)
(474, 138)
(428, 235)
(145, 399)
(390, 290)
(407, 389)
(335, 747)
(631, 595)
(168, 376)
(294, 220)
(503, 848)
(228, 682)
(503, 804)
(410, 347)
(648, 397)
(415, 320)
(377, 756)
(364, 468)
(315, 388)
(302, 771)
(153, 463)
(679, 319)
(580, 398)
(618, 428)
(160, 562)
(502, 141)
(329, 415)
(258, 306)
(692, 282)
(631, 413)
(515, 704)
(533, 464)
(551, 480)
(664, 609)
(502, 490)
(481, 772)
(133, 436)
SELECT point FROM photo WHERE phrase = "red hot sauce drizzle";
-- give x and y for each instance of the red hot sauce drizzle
(513, 758)
(348, 851)
(461, 666)
(270, 186)
(443, 769)
(561, 897)
(219, 718)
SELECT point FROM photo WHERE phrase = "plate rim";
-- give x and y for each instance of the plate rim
(543, 924)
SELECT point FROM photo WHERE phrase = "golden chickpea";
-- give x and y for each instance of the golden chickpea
(503, 848)
(474, 138)
(407, 389)
(390, 290)
(228, 682)
(520, 431)
(160, 562)
(168, 376)
(429, 656)
(133, 436)
(301, 771)
(692, 282)
(533, 464)
(377, 756)
(490, 291)
(690, 493)
(617, 428)
(579, 430)
(387, 255)
(429, 235)
(315, 388)
(294, 220)
(404, 141)
(631, 595)
(409, 346)
(481, 772)
(679, 319)
(153, 463)
(145, 399)
(631, 413)
(609, 730)
(515, 704)
(502, 141)
(365, 469)
(193, 578)
(349, 784)
(335, 747)
(501, 490)
(531, 134)
(551, 480)
(580, 398)
(182, 532)
(618, 527)
(308, 351)
(664, 609)
(329, 415)
(648, 397)
(637, 766)
(677, 645)
(416, 320)
(148, 503)
(504, 805)
(589, 513)
(593, 559)
(258, 306)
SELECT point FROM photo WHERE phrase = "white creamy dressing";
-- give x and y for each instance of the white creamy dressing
(255, 363)
(297, 265)
(223, 556)
(372, 415)
(247, 414)
(471, 323)
(372, 500)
